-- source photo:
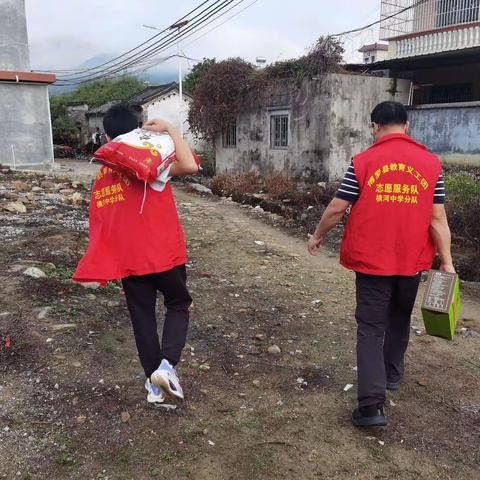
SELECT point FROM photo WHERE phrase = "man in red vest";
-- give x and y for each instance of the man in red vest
(136, 236)
(396, 225)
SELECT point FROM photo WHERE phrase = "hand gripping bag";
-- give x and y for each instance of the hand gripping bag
(140, 154)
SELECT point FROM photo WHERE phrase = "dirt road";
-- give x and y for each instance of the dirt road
(71, 391)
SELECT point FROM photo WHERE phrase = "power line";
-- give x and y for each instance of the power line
(112, 63)
(222, 23)
(148, 40)
(381, 20)
(194, 28)
(161, 45)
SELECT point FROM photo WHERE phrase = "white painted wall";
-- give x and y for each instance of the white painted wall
(169, 109)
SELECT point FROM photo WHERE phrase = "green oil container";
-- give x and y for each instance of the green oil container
(441, 304)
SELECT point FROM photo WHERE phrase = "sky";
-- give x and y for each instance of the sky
(68, 34)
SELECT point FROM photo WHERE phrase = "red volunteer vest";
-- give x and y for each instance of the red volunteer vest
(387, 231)
(124, 241)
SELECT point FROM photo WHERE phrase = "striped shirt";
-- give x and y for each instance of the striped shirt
(349, 189)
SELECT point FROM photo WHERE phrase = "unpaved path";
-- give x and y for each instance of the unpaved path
(248, 414)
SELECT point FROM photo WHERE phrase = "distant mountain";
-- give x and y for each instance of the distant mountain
(159, 75)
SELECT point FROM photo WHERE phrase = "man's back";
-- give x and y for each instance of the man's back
(387, 232)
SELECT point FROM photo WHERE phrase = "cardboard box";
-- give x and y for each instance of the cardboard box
(441, 304)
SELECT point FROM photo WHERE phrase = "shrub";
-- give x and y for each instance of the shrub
(241, 183)
(279, 186)
(207, 159)
(463, 205)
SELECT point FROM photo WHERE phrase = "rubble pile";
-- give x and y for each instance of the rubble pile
(30, 200)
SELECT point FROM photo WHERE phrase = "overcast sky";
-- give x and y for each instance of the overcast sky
(66, 34)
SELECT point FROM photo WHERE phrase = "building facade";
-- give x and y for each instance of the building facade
(160, 101)
(436, 45)
(416, 28)
(376, 52)
(308, 131)
(26, 133)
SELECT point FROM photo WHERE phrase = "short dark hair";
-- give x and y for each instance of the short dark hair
(118, 120)
(389, 113)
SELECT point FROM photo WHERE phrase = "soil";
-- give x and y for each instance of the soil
(71, 388)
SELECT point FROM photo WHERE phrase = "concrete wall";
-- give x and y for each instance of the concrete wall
(329, 123)
(14, 53)
(352, 100)
(78, 113)
(452, 131)
(25, 125)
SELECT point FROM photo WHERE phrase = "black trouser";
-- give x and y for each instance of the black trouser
(141, 295)
(384, 308)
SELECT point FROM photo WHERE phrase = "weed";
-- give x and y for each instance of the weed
(66, 460)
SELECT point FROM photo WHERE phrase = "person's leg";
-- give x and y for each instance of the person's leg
(173, 285)
(374, 294)
(141, 296)
(398, 330)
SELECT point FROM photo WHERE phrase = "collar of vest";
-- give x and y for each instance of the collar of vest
(397, 136)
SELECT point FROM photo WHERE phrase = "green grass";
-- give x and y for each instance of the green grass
(66, 460)
(462, 187)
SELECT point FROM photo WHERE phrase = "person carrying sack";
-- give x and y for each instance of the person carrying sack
(138, 238)
(396, 224)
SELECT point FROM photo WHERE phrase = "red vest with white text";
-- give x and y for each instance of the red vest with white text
(387, 231)
(134, 230)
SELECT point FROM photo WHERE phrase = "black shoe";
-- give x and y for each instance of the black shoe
(371, 416)
(394, 385)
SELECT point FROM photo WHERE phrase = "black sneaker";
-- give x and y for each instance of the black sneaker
(394, 385)
(371, 416)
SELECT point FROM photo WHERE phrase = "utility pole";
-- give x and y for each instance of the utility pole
(177, 26)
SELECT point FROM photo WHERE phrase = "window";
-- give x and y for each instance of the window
(279, 131)
(230, 136)
(454, 12)
(451, 93)
(373, 59)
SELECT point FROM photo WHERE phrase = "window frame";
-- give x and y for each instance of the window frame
(273, 142)
(229, 135)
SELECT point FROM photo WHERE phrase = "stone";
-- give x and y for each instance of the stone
(15, 207)
(204, 367)
(76, 198)
(125, 417)
(256, 383)
(260, 337)
(80, 419)
(67, 191)
(200, 188)
(91, 285)
(20, 186)
(37, 189)
(42, 314)
(274, 350)
(10, 195)
(35, 272)
(48, 185)
(63, 326)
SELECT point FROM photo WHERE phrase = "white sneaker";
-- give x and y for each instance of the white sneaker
(154, 395)
(166, 379)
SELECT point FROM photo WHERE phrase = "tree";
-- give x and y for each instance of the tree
(198, 71)
(98, 92)
(218, 97)
(93, 94)
(64, 131)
